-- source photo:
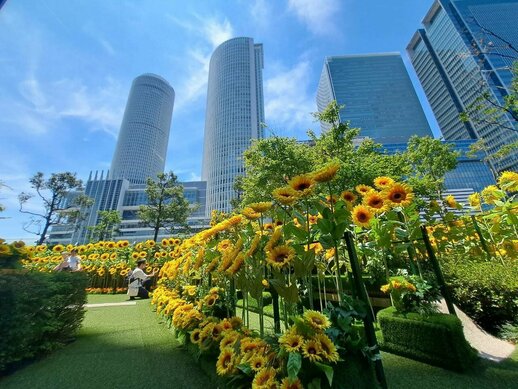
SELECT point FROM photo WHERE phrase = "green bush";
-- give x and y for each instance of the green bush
(486, 291)
(39, 312)
(436, 339)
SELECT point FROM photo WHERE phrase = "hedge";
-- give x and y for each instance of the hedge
(485, 291)
(39, 313)
(436, 339)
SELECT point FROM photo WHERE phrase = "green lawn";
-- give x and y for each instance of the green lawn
(118, 347)
(126, 347)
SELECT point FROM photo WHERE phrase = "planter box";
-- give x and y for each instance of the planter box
(436, 339)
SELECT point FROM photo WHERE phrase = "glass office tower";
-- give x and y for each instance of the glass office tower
(235, 111)
(144, 134)
(458, 58)
(378, 95)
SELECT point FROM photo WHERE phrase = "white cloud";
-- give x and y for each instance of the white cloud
(43, 105)
(212, 31)
(289, 99)
(317, 15)
(194, 177)
(261, 12)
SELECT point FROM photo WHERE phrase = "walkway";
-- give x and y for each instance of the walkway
(119, 346)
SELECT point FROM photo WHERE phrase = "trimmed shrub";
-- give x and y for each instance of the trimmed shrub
(486, 291)
(39, 313)
(436, 339)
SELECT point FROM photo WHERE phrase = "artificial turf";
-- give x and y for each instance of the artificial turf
(118, 347)
(126, 347)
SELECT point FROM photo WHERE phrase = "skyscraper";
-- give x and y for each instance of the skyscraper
(378, 95)
(144, 134)
(235, 111)
(459, 56)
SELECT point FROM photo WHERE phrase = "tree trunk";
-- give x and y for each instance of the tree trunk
(44, 233)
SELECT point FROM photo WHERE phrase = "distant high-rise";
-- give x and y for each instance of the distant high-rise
(458, 56)
(144, 134)
(235, 111)
(378, 95)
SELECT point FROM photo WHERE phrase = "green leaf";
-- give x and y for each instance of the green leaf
(325, 225)
(245, 368)
(328, 371)
(315, 384)
(294, 364)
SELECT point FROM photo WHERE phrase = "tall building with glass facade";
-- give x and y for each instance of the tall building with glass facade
(378, 95)
(144, 134)
(234, 116)
(458, 56)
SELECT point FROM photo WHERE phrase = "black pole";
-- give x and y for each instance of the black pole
(438, 272)
(276, 312)
(368, 321)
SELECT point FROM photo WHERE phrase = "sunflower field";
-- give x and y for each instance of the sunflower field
(294, 249)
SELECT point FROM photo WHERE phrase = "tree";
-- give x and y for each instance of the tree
(268, 164)
(166, 205)
(360, 163)
(429, 160)
(57, 202)
(108, 224)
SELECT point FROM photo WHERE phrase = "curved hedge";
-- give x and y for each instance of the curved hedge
(486, 291)
(39, 313)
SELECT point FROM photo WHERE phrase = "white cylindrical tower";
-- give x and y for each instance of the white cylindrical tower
(235, 112)
(144, 134)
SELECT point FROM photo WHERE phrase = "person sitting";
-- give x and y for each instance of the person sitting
(140, 282)
(74, 261)
(63, 265)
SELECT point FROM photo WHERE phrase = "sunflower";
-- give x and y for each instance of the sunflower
(280, 256)
(398, 194)
(264, 379)
(250, 214)
(105, 256)
(329, 351)
(226, 362)
(303, 184)
(287, 384)
(474, 200)
(491, 193)
(362, 216)
(331, 199)
(261, 207)
(450, 201)
(223, 245)
(508, 181)
(142, 254)
(286, 195)
(195, 336)
(316, 320)
(210, 300)
(383, 182)
(249, 345)
(229, 340)
(135, 255)
(374, 201)
(165, 242)
(327, 173)
(257, 362)
(5, 249)
(58, 248)
(216, 332)
(348, 196)
(363, 189)
(312, 350)
(291, 342)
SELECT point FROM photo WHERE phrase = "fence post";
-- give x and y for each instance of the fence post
(368, 321)
(438, 272)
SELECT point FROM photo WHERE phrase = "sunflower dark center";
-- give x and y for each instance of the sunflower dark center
(281, 258)
(397, 196)
(312, 350)
(362, 217)
(303, 185)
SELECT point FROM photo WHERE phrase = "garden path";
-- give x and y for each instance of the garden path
(488, 346)
(119, 346)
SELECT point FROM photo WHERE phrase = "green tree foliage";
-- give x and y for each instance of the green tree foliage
(269, 163)
(166, 205)
(53, 192)
(428, 160)
(108, 224)
(360, 163)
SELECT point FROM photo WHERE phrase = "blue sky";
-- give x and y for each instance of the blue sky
(67, 67)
